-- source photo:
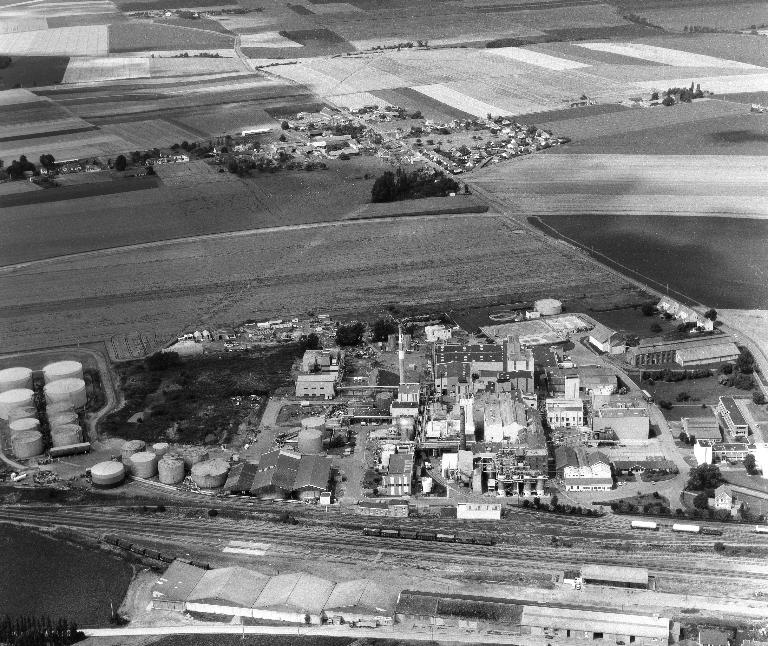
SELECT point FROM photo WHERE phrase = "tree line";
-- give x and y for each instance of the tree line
(38, 631)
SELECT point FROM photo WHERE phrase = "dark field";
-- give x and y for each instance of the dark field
(195, 395)
(85, 19)
(140, 5)
(122, 185)
(410, 99)
(254, 640)
(30, 71)
(572, 113)
(632, 321)
(45, 576)
(206, 24)
(135, 37)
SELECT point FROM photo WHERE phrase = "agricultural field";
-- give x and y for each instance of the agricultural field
(140, 36)
(11, 26)
(171, 285)
(79, 190)
(30, 115)
(164, 67)
(145, 135)
(58, 9)
(63, 41)
(720, 15)
(107, 68)
(665, 56)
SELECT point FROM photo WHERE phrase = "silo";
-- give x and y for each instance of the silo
(171, 469)
(24, 424)
(548, 307)
(66, 435)
(63, 370)
(310, 441)
(107, 474)
(71, 391)
(383, 402)
(160, 449)
(316, 422)
(60, 419)
(27, 444)
(15, 378)
(21, 412)
(192, 455)
(17, 398)
(131, 447)
(211, 474)
(143, 464)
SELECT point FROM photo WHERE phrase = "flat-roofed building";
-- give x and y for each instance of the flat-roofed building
(320, 384)
(729, 451)
(565, 413)
(615, 576)
(710, 349)
(622, 423)
(383, 508)
(731, 416)
(702, 428)
(478, 511)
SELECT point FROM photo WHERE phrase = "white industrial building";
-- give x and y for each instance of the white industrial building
(478, 511)
(593, 475)
(321, 384)
(565, 413)
(436, 333)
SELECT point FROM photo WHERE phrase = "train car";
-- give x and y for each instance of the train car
(484, 540)
(202, 565)
(761, 529)
(445, 538)
(110, 539)
(643, 524)
(688, 529)
(372, 531)
(427, 536)
(152, 554)
(710, 531)
(165, 558)
(411, 534)
(466, 539)
(126, 545)
(390, 533)
(137, 549)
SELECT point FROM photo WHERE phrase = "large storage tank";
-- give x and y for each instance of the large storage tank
(66, 435)
(60, 419)
(211, 474)
(310, 441)
(107, 474)
(171, 469)
(548, 307)
(144, 464)
(54, 408)
(315, 422)
(160, 449)
(71, 391)
(63, 370)
(192, 455)
(131, 447)
(15, 378)
(24, 424)
(16, 398)
(21, 412)
(27, 444)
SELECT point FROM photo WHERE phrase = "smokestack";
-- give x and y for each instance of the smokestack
(462, 429)
(401, 354)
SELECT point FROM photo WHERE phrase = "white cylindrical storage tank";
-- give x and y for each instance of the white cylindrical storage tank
(548, 307)
(17, 398)
(107, 474)
(63, 370)
(15, 378)
(60, 419)
(71, 391)
(426, 484)
(131, 447)
(192, 455)
(160, 449)
(24, 424)
(143, 464)
(316, 422)
(171, 469)
(211, 474)
(27, 444)
(21, 412)
(66, 435)
(54, 408)
(310, 441)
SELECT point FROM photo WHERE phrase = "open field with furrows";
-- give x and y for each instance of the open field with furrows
(353, 266)
(154, 133)
(719, 15)
(138, 36)
(31, 71)
(33, 115)
(60, 8)
(64, 41)
(190, 204)
(14, 26)
(653, 184)
(107, 68)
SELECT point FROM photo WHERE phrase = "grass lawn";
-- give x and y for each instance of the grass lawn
(676, 413)
(705, 390)
(630, 320)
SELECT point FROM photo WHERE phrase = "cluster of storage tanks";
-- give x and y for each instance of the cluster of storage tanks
(170, 468)
(64, 392)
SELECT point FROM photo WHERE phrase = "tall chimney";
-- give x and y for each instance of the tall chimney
(401, 354)
(462, 429)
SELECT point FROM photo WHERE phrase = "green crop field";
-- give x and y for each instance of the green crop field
(135, 37)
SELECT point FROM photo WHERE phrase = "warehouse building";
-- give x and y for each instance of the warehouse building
(697, 350)
(593, 475)
(565, 413)
(624, 423)
(173, 588)
(282, 474)
(702, 428)
(319, 384)
(478, 511)
(383, 508)
(615, 576)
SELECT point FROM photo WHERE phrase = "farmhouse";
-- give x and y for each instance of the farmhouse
(683, 313)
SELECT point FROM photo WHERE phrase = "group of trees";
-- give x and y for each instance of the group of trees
(705, 477)
(350, 333)
(401, 185)
(682, 94)
(17, 168)
(38, 631)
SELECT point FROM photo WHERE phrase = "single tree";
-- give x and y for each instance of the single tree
(704, 476)
(711, 314)
(750, 464)
(121, 162)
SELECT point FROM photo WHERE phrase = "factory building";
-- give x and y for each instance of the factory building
(593, 475)
(702, 350)
(321, 361)
(383, 508)
(478, 511)
(281, 474)
(435, 333)
(615, 576)
(418, 609)
(702, 427)
(571, 382)
(623, 423)
(731, 416)
(320, 384)
(607, 340)
(397, 481)
(702, 451)
(565, 413)
(503, 418)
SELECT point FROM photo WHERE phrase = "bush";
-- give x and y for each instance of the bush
(350, 333)
(655, 328)
(648, 309)
(758, 397)
(744, 381)
(212, 513)
(750, 464)
(682, 396)
(704, 476)
(719, 547)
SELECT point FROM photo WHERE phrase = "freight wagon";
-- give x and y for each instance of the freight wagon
(426, 535)
(761, 529)
(642, 524)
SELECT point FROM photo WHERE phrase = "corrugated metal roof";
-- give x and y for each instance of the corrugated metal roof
(558, 617)
(177, 582)
(233, 586)
(615, 573)
(314, 472)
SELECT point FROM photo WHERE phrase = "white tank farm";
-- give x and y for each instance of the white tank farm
(63, 370)
(171, 469)
(15, 378)
(548, 307)
(211, 474)
(54, 408)
(71, 391)
(24, 424)
(21, 412)
(143, 464)
(60, 419)
(131, 447)
(16, 398)
(160, 449)
(317, 422)
(27, 444)
(66, 435)
(192, 455)
(107, 474)
(310, 441)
